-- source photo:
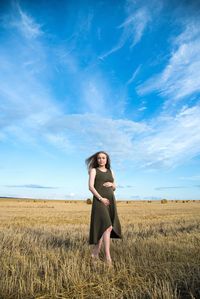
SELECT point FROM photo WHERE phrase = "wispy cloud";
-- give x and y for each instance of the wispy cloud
(173, 140)
(91, 131)
(132, 30)
(190, 178)
(27, 103)
(28, 26)
(134, 75)
(181, 76)
(22, 22)
(125, 186)
(142, 108)
(140, 197)
(163, 142)
(92, 90)
(135, 197)
(135, 25)
(171, 187)
(31, 186)
(152, 197)
(96, 96)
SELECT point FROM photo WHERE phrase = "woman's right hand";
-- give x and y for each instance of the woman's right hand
(105, 201)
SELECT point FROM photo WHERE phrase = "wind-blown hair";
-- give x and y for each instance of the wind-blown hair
(92, 162)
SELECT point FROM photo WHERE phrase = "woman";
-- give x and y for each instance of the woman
(104, 223)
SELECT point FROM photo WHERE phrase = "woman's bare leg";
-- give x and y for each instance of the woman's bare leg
(106, 238)
(97, 248)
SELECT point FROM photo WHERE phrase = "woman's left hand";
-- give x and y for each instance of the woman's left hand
(108, 184)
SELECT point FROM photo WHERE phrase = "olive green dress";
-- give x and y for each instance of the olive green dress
(103, 216)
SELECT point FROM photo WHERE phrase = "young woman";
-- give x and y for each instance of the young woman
(104, 222)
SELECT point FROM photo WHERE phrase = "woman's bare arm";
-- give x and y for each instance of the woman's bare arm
(114, 184)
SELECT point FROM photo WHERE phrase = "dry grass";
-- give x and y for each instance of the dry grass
(44, 251)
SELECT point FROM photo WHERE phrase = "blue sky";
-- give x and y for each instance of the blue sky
(77, 77)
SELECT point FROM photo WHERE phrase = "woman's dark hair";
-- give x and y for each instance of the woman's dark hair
(92, 162)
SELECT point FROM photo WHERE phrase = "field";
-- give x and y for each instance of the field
(44, 251)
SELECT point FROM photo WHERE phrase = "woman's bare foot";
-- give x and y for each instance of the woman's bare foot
(109, 262)
(94, 256)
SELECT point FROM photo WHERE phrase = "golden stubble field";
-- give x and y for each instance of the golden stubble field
(44, 251)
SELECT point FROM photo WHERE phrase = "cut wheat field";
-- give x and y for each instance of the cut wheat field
(44, 251)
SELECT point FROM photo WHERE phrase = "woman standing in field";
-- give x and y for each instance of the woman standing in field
(104, 223)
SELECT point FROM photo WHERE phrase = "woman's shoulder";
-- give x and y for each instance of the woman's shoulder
(92, 170)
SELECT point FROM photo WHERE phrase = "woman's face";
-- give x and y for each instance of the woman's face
(101, 159)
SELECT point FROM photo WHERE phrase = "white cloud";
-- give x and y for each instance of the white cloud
(173, 141)
(191, 32)
(163, 142)
(181, 76)
(134, 75)
(94, 132)
(59, 140)
(191, 178)
(95, 96)
(142, 108)
(32, 186)
(133, 29)
(66, 59)
(135, 25)
(26, 101)
(171, 187)
(26, 24)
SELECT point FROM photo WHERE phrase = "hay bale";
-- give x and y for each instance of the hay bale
(163, 200)
(89, 201)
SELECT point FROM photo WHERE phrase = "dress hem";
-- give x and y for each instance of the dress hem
(116, 236)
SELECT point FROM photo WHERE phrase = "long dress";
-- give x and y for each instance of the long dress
(103, 216)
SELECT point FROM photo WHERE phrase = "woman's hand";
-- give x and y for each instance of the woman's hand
(105, 201)
(108, 184)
